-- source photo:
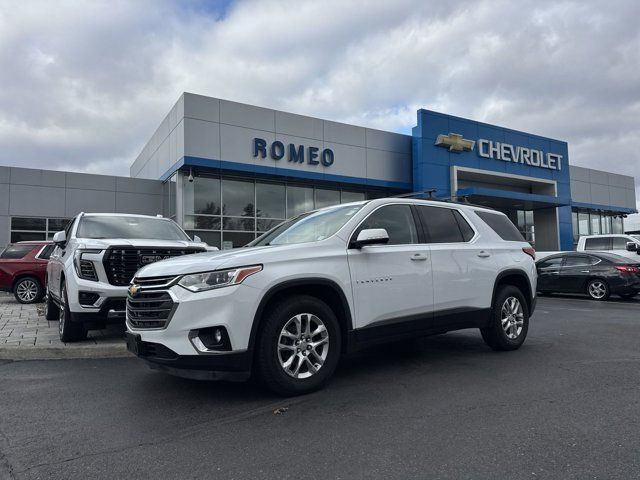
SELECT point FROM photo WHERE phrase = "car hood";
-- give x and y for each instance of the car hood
(140, 243)
(202, 262)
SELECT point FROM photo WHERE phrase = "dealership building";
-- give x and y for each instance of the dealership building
(227, 172)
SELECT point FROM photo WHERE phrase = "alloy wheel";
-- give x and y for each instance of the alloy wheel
(512, 317)
(597, 289)
(61, 317)
(303, 345)
(27, 290)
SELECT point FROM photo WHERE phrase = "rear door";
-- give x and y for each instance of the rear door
(576, 269)
(463, 271)
(391, 283)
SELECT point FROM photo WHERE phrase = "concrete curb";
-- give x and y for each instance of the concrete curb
(64, 352)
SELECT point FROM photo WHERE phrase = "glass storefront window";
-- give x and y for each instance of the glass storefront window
(238, 198)
(202, 195)
(326, 198)
(617, 225)
(346, 196)
(201, 222)
(606, 224)
(595, 224)
(210, 238)
(270, 200)
(574, 223)
(583, 223)
(35, 228)
(299, 200)
(236, 239)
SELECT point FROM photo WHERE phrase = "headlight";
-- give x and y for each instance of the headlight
(198, 282)
(84, 267)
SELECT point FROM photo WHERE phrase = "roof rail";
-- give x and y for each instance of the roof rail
(428, 195)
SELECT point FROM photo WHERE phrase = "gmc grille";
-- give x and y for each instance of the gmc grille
(121, 264)
(151, 309)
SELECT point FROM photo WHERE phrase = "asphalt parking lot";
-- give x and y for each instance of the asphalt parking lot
(566, 405)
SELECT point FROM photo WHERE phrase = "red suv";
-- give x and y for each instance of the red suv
(23, 270)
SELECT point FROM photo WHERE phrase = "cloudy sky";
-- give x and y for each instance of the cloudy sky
(84, 84)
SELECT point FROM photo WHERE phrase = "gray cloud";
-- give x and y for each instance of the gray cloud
(83, 85)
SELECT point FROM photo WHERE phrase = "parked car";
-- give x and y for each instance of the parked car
(331, 281)
(23, 269)
(618, 244)
(94, 260)
(595, 274)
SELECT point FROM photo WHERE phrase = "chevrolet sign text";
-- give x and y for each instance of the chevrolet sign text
(526, 156)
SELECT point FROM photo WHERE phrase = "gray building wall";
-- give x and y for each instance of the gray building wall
(26, 192)
(602, 188)
(215, 129)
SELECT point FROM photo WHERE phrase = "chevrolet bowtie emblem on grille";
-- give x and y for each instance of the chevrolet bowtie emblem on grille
(455, 143)
(134, 289)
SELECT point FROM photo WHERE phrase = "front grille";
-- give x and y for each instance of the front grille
(154, 282)
(121, 263)
(152, 309)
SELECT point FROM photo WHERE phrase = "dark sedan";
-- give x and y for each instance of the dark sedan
(598, 275)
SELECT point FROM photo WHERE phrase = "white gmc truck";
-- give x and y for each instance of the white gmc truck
(331, 281)
(94, 260)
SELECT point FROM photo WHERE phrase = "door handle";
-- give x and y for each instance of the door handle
(419, 256)
(484, 254)
(584, 271)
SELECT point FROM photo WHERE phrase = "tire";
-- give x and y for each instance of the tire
(597, 289)
(28, 290)
(69, 330)
(282, 348)
(509, 321)
(51, 309)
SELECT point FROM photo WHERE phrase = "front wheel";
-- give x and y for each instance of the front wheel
(28, 290)
(598, 289)
(69, 331)
(298, 347)
(509, 321)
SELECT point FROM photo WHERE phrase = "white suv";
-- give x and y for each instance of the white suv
(94, 261)
(331, 281)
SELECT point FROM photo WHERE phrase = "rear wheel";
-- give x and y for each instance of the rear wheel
(69, 330)
(509, 322)
(298, 347)
(28, 290)
(598, 289)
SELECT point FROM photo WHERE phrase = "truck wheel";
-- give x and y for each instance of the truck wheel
(28, 290)
(298, 346)
(509, 322)
(598, 289)
(51, 310)
(69, 330)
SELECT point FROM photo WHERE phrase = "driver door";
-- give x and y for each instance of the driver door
(392, 285)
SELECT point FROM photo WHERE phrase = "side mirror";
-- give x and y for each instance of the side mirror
(60, 239)
(196, 238)
(632, 247)
(371, 236)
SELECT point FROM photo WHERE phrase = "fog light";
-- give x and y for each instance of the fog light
(210, 339)
(217, 335)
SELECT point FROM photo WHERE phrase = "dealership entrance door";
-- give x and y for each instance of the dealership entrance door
(531, 203)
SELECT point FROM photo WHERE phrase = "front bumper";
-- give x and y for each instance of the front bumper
(232, 366)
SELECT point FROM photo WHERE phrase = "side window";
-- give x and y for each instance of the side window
(598, 243)
(397, 220)
(15, 252)
(46, 252)
(444, 225)
(576, 261)
(502, 226)
(619, 243)
(551, 263)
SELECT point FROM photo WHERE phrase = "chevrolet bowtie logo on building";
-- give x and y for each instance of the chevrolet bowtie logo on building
(134, 289)
(455, 143)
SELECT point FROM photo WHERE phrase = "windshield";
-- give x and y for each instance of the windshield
(129, 227)
(308, 227)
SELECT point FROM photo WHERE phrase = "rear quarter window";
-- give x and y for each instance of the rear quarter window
(15, 252)
(502, 226)
(598, 243)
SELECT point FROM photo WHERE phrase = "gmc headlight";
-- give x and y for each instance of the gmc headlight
(85, 267)
(199, 282)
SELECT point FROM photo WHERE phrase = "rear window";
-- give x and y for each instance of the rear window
(15, 252)
(502, 226)
(598, 243)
